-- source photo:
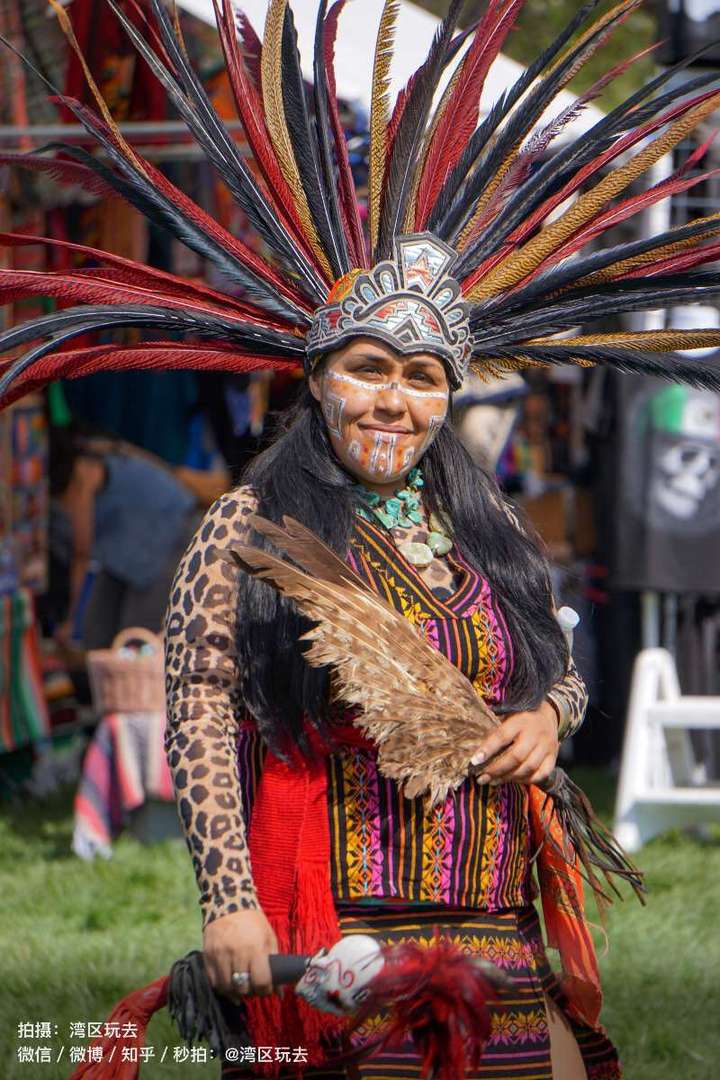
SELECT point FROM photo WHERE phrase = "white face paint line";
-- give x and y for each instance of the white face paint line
(382, 456)
(376, 388)
(434, 426)
(333, 406)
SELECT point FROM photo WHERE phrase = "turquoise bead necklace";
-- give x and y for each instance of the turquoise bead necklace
(403, 510)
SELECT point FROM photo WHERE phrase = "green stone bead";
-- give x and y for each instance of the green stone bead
(438, 543)
(415, 517)
(417, 554)
(437, 525)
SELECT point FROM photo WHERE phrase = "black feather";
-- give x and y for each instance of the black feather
(440, 220)
(561, 166)
(563, 276)
(322, 128)
(138, 191)
(63, 326)
(586, 305)
(514, 131)
(704, 374)
(145, 197)
(321, 195)
(410, 133)
(189, 98)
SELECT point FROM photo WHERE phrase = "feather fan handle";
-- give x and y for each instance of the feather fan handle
(67, 29)
(380, 115)
(272, 92)
(528, 258)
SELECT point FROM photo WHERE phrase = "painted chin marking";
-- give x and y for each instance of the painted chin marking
(376, 388)
(377, 454)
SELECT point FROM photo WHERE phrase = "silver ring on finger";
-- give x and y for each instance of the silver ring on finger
(241, 981)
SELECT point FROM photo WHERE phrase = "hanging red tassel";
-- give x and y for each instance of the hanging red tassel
(439, 997)
(135, 1010)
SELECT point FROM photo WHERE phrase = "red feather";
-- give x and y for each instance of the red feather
(534, 220)
(149, 356)
(461, 114)
(348, 197)
(252, 48)
(540, 141)
(439, 995)
(132, 272)
(251, 113)
(82, 288)
(64, 172)
(684, 260)
(623, 210)
(197, 214)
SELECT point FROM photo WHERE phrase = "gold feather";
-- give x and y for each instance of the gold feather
(597, 24)
(616, 269)
(569, 75)
(521, 263)
(650, 340)
(380, 114)
(67, 29)
(271, 76)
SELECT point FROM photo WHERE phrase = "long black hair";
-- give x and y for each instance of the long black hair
(299, 475)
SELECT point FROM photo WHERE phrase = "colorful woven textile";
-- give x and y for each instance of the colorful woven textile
(471, 851)
(519, 1047)
(23, 709)
(124, 766)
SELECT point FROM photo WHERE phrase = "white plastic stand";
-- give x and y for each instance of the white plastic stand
(662, 785)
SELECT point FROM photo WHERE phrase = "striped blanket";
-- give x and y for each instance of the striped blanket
(124, 766)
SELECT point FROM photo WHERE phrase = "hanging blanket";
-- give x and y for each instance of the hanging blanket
(125, 766)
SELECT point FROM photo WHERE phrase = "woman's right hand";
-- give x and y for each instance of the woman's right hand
(240, 941)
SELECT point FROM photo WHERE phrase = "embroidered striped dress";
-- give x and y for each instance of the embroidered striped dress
(473, 850)
(399, 869)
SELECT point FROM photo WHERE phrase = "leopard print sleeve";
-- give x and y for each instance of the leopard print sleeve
(569, 696)
(204, 708)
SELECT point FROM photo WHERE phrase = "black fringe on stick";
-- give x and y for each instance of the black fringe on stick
(592, 847)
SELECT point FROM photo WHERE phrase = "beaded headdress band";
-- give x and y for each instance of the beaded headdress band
(451, 190)
(410, 302)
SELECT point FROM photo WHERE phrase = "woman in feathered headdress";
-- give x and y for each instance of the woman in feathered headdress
(298, 827)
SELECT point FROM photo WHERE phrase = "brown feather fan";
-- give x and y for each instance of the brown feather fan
(421, 712)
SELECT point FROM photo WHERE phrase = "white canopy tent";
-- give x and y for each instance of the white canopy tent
(356, 41)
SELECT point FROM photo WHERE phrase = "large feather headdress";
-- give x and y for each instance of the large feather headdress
(518, 227)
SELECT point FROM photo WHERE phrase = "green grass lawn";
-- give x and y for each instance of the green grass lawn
(75, 937)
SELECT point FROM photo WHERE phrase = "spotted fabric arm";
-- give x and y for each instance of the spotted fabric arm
(569, 696)
(204, 708)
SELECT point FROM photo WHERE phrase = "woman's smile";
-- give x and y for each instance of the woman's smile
(382, 409)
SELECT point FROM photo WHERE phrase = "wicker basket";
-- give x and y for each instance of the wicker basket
(128, 683)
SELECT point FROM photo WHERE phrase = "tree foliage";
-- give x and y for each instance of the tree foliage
(541, 20)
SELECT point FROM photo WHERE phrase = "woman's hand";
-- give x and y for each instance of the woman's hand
(527, 747)
(241, 941)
